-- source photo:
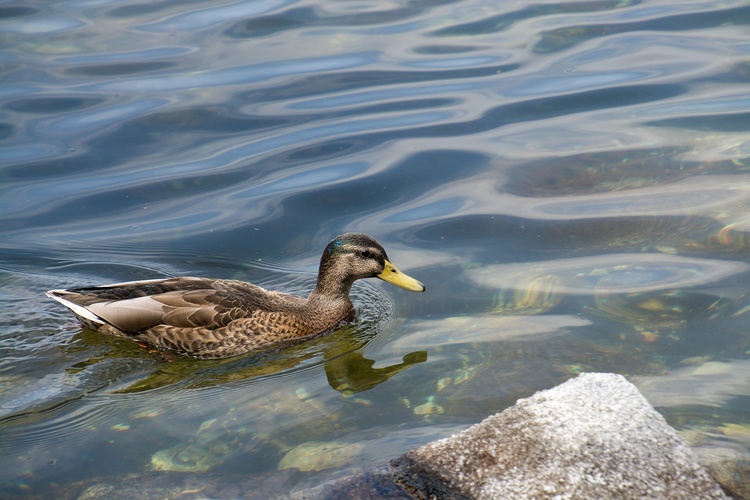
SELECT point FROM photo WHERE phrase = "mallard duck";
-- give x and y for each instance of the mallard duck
(217, 318)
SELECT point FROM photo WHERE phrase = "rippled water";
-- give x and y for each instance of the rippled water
(569, 180)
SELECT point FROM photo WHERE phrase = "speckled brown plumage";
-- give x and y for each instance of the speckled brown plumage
(215, 318)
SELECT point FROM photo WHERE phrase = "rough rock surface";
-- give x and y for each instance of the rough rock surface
(594, 436)
(375, 484)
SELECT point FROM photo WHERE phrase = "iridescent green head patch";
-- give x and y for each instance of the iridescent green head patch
(335, 246)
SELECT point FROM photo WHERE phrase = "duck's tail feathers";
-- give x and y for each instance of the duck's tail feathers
(87, 317)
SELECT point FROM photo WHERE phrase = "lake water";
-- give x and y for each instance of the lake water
(570, 180)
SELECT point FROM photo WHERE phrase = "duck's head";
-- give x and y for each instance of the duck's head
(352, 256)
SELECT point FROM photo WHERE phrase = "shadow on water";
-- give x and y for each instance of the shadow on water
(347, 370)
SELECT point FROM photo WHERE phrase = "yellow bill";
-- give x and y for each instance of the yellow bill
(393, 275)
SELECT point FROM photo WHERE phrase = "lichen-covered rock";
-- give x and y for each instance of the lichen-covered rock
(594, 436)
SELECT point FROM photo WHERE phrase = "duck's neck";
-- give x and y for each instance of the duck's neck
(331, 289)
(334, 280)
(329, 303)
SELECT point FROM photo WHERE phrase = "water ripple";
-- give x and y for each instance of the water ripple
(616, 273)
(571, 180)
(207, 17)
(702, 18)
(239, 74)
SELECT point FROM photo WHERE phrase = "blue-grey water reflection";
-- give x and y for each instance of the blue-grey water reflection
(570, 180)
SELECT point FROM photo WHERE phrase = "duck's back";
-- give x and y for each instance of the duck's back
(200, 317)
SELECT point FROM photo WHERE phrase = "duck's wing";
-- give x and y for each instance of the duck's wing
(135, 306)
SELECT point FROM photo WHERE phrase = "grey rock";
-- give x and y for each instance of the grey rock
(594, 436)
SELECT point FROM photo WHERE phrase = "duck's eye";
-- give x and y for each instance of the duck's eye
(365, 254)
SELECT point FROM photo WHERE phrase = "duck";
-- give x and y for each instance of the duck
(211, 318)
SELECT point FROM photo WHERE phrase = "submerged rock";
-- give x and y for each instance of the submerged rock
(175, 485)
(374, 484)
(594, 436)
(316, 456)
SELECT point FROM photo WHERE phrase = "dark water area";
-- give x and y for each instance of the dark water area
(570, 180)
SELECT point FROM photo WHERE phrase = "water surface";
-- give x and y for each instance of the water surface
(569, 180)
